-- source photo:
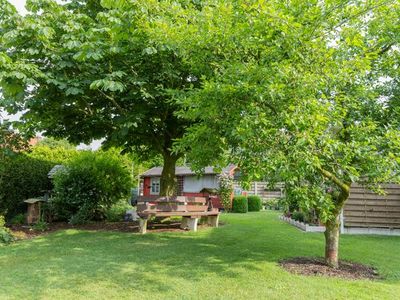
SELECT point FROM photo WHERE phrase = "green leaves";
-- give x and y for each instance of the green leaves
(107, 85)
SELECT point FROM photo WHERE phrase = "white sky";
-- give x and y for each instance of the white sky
(20, 6)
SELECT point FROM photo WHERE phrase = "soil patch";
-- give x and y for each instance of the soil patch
(26, 232)
(312, 266)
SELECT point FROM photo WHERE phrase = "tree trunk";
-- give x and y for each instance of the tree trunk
(332, 242)
(168, 181)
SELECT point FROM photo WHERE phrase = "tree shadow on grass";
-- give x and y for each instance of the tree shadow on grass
(154, 262)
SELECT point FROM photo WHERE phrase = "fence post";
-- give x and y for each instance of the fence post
(255, 188)
(341, 222)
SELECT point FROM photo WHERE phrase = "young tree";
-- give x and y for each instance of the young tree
(88, 70)
(302, 92)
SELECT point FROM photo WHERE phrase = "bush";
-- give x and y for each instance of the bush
(24, 175)
(298, 216)
(254, 203)
(240, 204)
(91, 183)
(18, 219)
(116, 213)
(40, 226)
(5, 234)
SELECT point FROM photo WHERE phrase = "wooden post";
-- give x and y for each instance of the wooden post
(213, 221)
(142, 226)
(184, 223)
(192, 223)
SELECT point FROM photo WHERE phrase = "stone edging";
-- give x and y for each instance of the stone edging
(303, 226)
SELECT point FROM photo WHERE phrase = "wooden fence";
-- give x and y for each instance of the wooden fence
(365, 209)
(261, 189)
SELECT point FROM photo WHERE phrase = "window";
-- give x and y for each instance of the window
(155, 186)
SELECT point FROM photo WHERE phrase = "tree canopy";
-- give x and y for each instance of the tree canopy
(91, 70)
(302, 92)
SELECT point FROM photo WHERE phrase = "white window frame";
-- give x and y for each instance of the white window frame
(155, 186)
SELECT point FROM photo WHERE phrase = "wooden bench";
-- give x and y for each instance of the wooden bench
(191, 209)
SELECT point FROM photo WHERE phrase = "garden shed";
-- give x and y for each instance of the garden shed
(189, 183)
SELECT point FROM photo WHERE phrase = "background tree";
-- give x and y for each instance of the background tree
(91, 70)
(53, 143)
(302, 92)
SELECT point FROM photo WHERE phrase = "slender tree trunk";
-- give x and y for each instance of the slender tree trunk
(332, 242)
(168, 181)
(332, 226)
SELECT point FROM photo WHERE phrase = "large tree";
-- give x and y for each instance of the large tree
(88, 70)
(303, 91)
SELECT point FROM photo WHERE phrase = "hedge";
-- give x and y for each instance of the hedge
(240, 204)
(24, 175)
(255, 203)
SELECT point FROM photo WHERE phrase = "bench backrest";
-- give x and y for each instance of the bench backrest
(179, 203)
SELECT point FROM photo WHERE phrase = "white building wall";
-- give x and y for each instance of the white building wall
(194, 184)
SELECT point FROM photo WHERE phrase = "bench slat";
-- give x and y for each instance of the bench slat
(180, 214)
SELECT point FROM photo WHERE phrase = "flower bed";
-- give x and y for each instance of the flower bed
(303, 226)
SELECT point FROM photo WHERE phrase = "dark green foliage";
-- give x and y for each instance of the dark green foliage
(240, 204)
(24, 175)
(18, 219)
(254, 203)
(299, 216)
(40, 226)
(90, 185)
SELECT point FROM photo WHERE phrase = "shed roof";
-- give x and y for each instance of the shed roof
(54, 170)
(34, 200)
(181, 171)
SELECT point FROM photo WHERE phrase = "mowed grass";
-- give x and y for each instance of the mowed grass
(236, 261)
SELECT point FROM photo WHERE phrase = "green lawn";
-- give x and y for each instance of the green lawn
(235, 261)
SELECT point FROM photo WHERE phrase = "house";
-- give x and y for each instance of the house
(189, 183)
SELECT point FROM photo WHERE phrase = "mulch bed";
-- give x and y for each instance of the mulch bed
(311, 266)
(26, 232)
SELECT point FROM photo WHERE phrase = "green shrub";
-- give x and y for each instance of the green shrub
(298, 216)
(18, 219)
(40, 226)
(5, 234)
(116, 213)
(240, 204)
(91, 183)
(24, 175)
(254, 203)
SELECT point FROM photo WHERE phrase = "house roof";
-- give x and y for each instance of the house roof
(181, 171)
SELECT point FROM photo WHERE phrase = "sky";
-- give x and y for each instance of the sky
(20, 6)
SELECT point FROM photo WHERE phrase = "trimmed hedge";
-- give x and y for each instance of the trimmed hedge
(24, 175)
(255, 203)
(240, 204)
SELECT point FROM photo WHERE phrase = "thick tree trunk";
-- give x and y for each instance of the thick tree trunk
(332, 243)
(168, 182)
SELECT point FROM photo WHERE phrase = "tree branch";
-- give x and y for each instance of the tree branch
(342, 185)
(113, 101)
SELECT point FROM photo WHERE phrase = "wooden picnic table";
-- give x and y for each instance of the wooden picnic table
(191, 209)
